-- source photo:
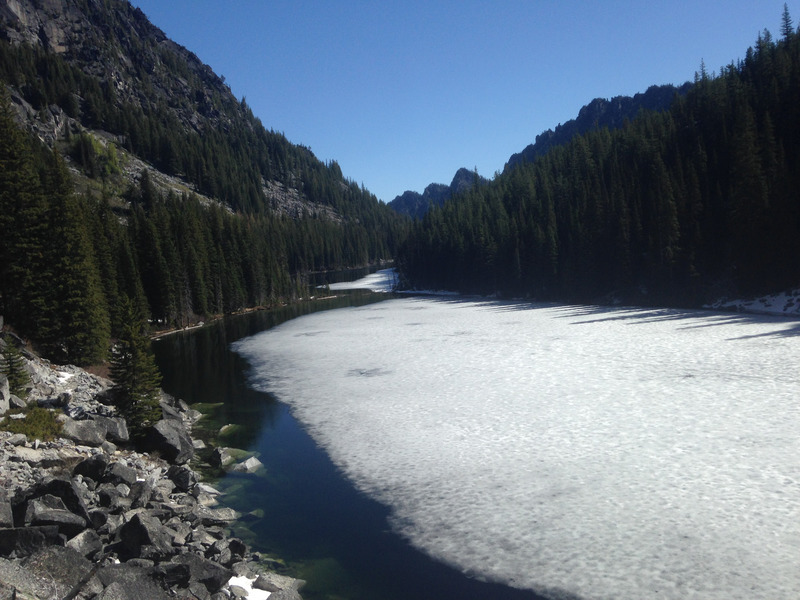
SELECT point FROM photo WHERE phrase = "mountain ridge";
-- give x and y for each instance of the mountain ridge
(598, 113)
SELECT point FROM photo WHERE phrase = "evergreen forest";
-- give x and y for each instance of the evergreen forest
(678, 206)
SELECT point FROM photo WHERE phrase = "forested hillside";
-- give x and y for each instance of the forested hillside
(678, 206)
(128, 169)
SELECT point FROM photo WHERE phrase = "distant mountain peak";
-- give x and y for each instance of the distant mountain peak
(416, 205)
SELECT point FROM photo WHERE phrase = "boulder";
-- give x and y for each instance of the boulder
(17, 439)
(6, 516)
(90, 433)
(70, 494)
(16, 402)
(170, 439)
(221, 457)
(182, 476)
(63, 567)
(49, 510)
(118, 472)
(251, 465)
(93, 467)
(221, 517)
(116, 428)
(129, 582)
(87, 543)
(5, 393)
(24, 541)
(209, 573)
(145, 536)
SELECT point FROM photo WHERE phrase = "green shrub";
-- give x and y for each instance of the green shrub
(39, 423)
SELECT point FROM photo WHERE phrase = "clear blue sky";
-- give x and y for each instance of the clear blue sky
(402, 94)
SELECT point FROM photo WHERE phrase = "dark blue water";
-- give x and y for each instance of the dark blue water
(303, 509)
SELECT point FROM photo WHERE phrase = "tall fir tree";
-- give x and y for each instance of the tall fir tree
(135, 373)
(21, 219)
(74, 323)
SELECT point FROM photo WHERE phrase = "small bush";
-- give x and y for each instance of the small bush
(39, 423)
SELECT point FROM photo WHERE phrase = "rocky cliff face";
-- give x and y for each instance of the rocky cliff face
(122, 47)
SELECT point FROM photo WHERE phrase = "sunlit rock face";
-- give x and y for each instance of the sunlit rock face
(603, 453)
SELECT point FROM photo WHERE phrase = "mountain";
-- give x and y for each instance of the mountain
(597, 114)
(106, 68)
(415, 205)
(160, 186)
(681, 206)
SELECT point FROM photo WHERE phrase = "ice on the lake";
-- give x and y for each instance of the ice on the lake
(384, 280)
(608, 453)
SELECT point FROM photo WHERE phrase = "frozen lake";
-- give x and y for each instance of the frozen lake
(603, 453)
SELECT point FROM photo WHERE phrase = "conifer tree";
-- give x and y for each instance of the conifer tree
(74, 324)
(13, 367)
(20, 217)
(135, 373)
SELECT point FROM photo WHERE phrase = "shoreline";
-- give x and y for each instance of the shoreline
(111, 514)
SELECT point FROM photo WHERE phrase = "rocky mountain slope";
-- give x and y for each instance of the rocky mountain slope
(102, 67)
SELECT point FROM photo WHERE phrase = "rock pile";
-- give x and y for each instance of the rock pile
(86, 517)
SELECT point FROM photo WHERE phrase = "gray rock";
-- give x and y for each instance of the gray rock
(215, 516)
(144, 536)
(93, 467)
(285, 595)
(62, 566)
(16, 402)
(209, 573)
(238, 591)
(116, 428)
(23, 541)
(70, 494)
(141, 492)
(171, 440)
(251, 465)
(118, 472)
(5, 393)
(221, 457)
(173, 574)
(182, 476)
(17, 439)
(90, 433)
(6, 515)
(87, 543)
(49, 510)
(136, 583)
(272, 582)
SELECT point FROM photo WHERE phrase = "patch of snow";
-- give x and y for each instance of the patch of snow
(785, 304)
(247, 584)
(384, 280)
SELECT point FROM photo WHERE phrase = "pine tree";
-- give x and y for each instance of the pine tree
(74, 324)
(787, 30)
(13, 367)
(21, 210)
(135, 373)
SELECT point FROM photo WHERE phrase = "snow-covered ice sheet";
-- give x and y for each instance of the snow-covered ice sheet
(608, 453)
(384, 280)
